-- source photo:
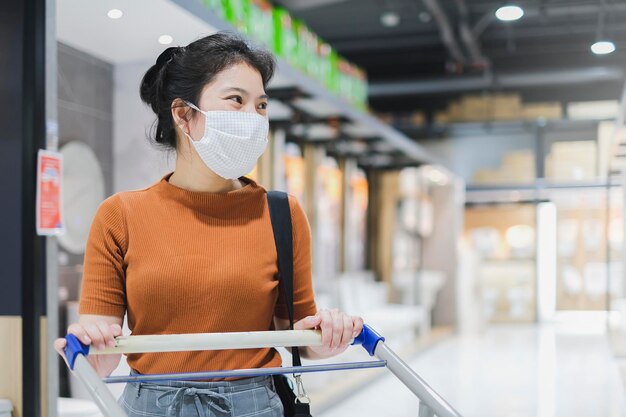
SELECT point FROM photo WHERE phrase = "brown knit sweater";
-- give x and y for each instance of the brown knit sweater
(191, 262)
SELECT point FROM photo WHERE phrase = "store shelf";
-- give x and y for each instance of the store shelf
(504, 260)
(544, 184)
(319, 98)
(500, 127)
(540, 190)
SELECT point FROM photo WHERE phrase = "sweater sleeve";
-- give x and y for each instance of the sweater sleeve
(303, 296)
(103, 287)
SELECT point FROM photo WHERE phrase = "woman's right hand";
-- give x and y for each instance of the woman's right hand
(99, 333)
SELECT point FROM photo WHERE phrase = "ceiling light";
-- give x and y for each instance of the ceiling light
(115, 13)
(424, 17)
(165, 39)
(390, 19)
(603, 47)
(509, 13)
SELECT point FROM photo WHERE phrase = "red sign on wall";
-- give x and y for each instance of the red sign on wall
(49, 188)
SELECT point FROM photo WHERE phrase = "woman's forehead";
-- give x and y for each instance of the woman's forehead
(239, 76)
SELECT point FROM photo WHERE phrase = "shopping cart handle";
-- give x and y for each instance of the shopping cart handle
(369, 339)
(73, 348)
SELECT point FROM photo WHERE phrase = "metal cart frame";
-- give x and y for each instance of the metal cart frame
(431, 403)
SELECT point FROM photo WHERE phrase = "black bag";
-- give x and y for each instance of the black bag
(280, 215)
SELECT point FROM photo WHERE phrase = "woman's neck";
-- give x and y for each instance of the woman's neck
(196, 177)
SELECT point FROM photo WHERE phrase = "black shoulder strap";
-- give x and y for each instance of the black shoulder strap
(280, 214)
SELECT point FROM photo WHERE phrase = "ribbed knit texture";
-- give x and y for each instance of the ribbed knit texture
(192, 262)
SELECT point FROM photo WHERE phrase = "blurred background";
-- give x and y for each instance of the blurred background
(461, 163)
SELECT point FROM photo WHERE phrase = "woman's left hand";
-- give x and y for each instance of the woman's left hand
(338, 330)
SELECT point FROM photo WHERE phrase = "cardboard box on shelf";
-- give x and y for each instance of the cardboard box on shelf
(486, 176)
(607, 138)
(517, 167)
(522, 160)
(386, 118)
(417, 118)
(551, 110)
(475, 108)
(597, 110)
(442, 117)
(454, 112)
(517, 175)
(573, 161)
(505, 107)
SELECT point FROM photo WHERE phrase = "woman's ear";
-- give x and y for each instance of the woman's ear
(181, 114)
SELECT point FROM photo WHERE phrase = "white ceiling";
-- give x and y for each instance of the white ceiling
(85, 25)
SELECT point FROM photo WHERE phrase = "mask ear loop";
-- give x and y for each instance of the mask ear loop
(181, 126)
(192, 106)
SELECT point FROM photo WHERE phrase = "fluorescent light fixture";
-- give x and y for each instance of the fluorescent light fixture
(509, 13)
(603, 47)
(390, 19)
(165, 39)
(115, 13)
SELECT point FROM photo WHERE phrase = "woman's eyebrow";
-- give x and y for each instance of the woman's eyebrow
(243, 91)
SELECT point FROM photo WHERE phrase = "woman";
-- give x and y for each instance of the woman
(194, 253)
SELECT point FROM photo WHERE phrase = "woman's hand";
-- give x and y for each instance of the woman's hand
(99, 332)
(338, 330)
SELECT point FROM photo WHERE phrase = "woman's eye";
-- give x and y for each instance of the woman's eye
(238, 99)
(263, 106)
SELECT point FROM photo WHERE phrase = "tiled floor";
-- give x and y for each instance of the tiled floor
(563, 369)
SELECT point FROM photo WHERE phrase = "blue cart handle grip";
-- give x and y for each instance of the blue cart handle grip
(369, 339)
(73, 348)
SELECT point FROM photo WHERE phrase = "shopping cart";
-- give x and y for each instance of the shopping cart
(430, 403)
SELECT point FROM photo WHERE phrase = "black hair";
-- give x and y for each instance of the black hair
(182, 72)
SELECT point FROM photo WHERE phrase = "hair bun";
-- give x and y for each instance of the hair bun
(167, 54)
(152, 82)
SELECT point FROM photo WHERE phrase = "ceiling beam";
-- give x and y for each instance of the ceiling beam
(510, 80)
(419, 39)
(550, 10)
(298, 5)
(478, 60)
(382, 43)
(445, 30)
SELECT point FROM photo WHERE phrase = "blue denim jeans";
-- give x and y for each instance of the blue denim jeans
(250, 397)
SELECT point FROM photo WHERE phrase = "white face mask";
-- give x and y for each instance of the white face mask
(232, 142)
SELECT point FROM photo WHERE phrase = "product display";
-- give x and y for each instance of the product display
(294, 41)
(216, 6)
(285, 37)
(235, 12)
(504, 238)
(584, 276)
(260, 22)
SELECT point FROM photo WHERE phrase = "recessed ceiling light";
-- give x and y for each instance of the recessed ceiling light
(603, 47)
(390, 19)
(165, 39)
(115, 13)
(509, 13)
